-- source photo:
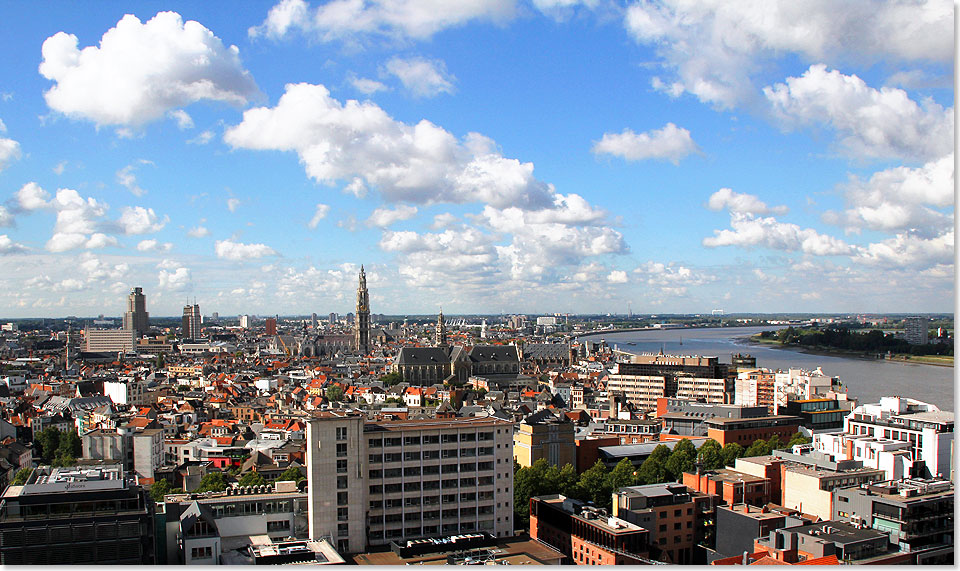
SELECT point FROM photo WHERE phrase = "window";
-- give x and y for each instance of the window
(341, 450)
(375, 443)
(411, 440)
(343, 529)
(376, 474)
(201, 553)
(342, 498)
(376, 458)
(279, 525)
(663, 527)
(676, 513)
(341, 466)
(431, 439)
(392, 441)
(343, 514)
(341, 433)
(341, 482)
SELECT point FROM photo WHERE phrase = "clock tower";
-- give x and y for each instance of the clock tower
(362, 321)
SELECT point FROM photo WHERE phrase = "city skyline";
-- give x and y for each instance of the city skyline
(497, 156)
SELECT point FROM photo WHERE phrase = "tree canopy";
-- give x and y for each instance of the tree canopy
(334, 393)
(252, 478)
(212, 482)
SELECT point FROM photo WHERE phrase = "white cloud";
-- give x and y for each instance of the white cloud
(32, 197)
(60, 167)
(345, 19)
(617, 277)
(100, 240)
(670, 279)
(141, 71)
(384, 217)
(741, 202)
(443, 220)
(152, 245)
(319, 214)
(872, 123)
(183, 119)
(909, 250)
(900, 198)
(429, 260)
(202, 139)
(198, 232)
(670, 143)
(8, 246)
(230, 250)
(6, 217)
(9, 149)
(749, 230)
(420, 163)
(140, 220)
(713, 48)
(95, 269)
(366, 86)
(127, 178)
(176, 280)
(420, 76)
(78, 222)
(232, 204)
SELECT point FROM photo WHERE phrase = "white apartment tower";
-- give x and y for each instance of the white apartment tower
(371, 483)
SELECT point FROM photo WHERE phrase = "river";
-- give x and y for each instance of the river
(866, 379)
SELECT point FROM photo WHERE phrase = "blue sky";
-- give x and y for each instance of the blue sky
(485, 155)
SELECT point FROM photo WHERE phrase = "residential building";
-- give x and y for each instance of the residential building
(740, 525)
(109, 340)
(811, 541)
(755, 387)
(270, 326)
(190, 323)
(817, 414)
(545, 435)
(745, 431)
(676, 517)
(126, 391)
(915, 330)
(648, 377)
(373, 482)
(730, 486)
(148, 453)
(586, 535)
(81, 515)
(136, 317)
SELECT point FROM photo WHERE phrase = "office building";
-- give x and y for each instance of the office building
(371, 483)
(548, 436)
(80, 515)
(109, 340)
(136, 317)
(191, 322)
(648, 377)
(270, 325)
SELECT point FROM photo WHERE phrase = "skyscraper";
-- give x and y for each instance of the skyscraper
(136, 317)
(271, 325)
(441, 336)
(191, 321)
(362, 321)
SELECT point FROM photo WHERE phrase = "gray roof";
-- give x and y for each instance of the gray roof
(502, 353)
(422, 356)
(628, 450)
(546, 351)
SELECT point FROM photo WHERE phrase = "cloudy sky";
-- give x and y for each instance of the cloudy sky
(483, 155)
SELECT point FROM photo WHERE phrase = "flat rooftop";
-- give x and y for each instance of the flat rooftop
(46, 480)
(517, 552)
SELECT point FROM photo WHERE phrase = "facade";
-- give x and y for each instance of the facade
(586, 535)
(371, 483)
(915, 330)
(739, 526)
(708, 390)
(127, 391)
(362, 320)
(190, 323)
(918, 514)
(676, 517)
(755, 387)
(817, 414)
(731, 487)
(109, 340)
(88, 516)
(824, 538)
(744, 431)
(647, 378)
(136, 316)
(148, 453)
(545, 435)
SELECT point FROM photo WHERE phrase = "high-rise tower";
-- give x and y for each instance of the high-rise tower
(441, 336)
(362, 322)
(136, 316)
(191, 321)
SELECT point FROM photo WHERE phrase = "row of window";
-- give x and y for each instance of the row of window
(413, 471)
(430, 439)
(414, 456)
(432, 500)
(430, 485)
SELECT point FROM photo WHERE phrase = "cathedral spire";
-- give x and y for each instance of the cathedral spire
(362, 320)
(441, 335)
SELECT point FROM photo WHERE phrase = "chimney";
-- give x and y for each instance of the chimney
(746, 557)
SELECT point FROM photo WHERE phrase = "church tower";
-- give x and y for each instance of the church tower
(362, 322)
(441, 336)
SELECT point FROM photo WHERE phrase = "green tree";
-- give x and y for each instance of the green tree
(334, 393)
(796, 439)
(758, 448)
(568, 480)
(593, 485)
(391, 379)
(774, 444)
(21, 477)
(159, 489)
(252, 478)
(622, 475)
(731, 451)
(292, 474)
(653, 470)
(710, 455)
(681, 460)
(212, 482)
(49, 440)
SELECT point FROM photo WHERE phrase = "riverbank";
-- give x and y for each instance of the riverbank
(936, 360)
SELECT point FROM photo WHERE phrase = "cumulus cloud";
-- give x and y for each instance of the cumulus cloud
(670, 279)
(8, 246)
(419, 164)
(152, 245)
(398, 19)
(714, 48)
(140, 220)
(384, 217)
(429, 259)
(748, 230)
(319, 214)
(900, 198)
(420, 76)
(198, 232)
(617, 277)
(78, 222)
(670, 143)
(32, 197)
(202, 139)
(908, 249)
(183, 119)
(6, 217)
(726, 198)
(366, 86)
(141, 71)
(872, 123)
(128, 178)
(177, 279)
(230, 250)
(9, 149)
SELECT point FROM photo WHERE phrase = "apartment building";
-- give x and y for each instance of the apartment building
(648, 377)
(545, 435)
(373, 482)
(109, 340)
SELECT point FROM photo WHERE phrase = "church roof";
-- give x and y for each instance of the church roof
(422, 356)
(503, 353)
